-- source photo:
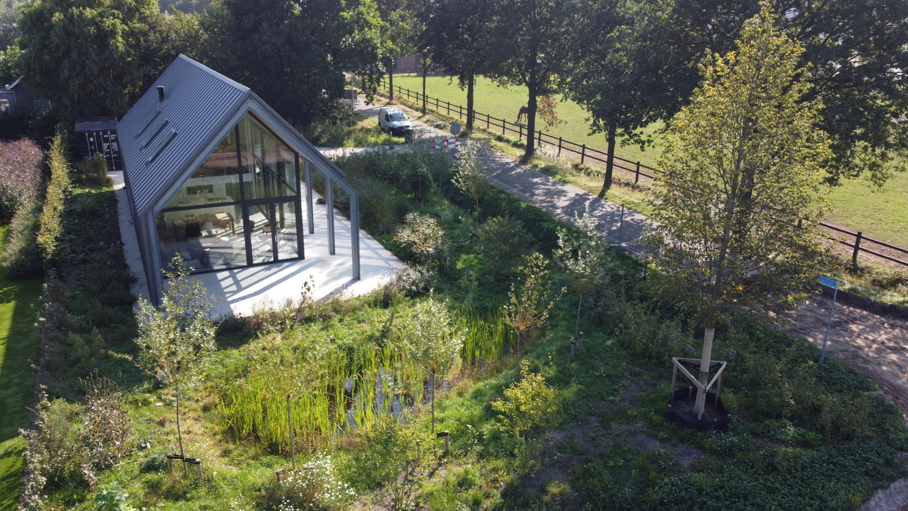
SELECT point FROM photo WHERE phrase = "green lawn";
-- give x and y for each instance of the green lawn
(505, 103)
(18, 348)
(856, 206)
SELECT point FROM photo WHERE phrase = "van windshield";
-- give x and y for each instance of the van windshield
(398, 116)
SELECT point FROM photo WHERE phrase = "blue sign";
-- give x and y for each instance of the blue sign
(829, 283)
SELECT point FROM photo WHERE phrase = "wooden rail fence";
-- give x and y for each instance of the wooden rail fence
(856, 241)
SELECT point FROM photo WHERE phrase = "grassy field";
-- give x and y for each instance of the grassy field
(856, 205)
(18, 348)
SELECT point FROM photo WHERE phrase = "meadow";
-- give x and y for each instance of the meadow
(336, 391)
(855, 205)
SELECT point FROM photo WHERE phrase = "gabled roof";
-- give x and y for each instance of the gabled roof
(160, 139)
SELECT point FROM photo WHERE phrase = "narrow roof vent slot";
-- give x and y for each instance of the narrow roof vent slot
(157, 150)
(150, 120)
(155, 133)
(160, 93)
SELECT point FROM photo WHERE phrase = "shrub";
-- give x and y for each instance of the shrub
(53, 458)
(21, 257)
(502, 242)
(315, 486)
(420, 236)
(94, 169)
(527, 310)
(20, 166)
(531, 405)
(470, 177)
(50, 224)
(106, 428)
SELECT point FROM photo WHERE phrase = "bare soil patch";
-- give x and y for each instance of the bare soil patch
(875, 341)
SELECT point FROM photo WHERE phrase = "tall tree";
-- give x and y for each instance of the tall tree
(856, 50)
(400, 33)
(9, 22)
(742, 167)
(615, 73)
(526, 39)
(293, 54)
(82, 55)
(457, 36)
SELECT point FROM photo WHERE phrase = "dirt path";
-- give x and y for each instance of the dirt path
(872, 343)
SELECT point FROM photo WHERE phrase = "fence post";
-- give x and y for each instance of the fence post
(502, 126)
(582, 153)
(559, 146)
(520, 132)
(637, 175)
(857, 248)
(449, 107)
(487, 120)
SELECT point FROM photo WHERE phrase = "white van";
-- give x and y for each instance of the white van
(394, 121)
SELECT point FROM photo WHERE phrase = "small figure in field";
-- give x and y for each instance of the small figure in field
(524, 112)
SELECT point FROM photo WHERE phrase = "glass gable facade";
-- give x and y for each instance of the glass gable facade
(241, 207)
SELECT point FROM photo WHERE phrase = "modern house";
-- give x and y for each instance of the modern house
(216, 176)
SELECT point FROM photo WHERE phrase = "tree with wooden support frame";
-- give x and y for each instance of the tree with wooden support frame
(742, 164)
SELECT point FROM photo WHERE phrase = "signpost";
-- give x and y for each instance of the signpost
(835, 292)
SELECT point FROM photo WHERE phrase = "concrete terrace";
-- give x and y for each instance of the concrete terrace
(241, 291)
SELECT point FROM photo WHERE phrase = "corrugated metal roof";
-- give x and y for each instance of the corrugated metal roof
(95, 123)
(197, 104)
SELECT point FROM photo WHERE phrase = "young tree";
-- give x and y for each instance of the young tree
(742, 167)
(529, 307)
(177, 337)
(582, 257)
(432, 338)
(470, 177)
(420, 235)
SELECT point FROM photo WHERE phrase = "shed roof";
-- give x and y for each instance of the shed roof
(160, 138)
(95, 123)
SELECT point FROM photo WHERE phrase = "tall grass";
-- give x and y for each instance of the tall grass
(340, 376)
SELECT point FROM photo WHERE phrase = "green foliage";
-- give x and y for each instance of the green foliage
(177, 337)
(86, 58)
(54, 456)
(531, 406)
(430, 336)
(471, 178)
(330, 37)
(420, 236)
(582, 257)
(54, 199)
(21, 257)
(395, 457)
(740, 170)
(113, 497)
(94, 169)
(529, 307)
(502, 242)
(315, 486)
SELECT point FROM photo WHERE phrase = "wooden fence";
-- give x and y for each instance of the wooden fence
(856, 240)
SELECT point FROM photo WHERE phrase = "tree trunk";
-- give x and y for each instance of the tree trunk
(424, 71)
(705, 359)
(531, 121)
(391, 81)
(470, 86)
(433, 401)
(577, 323)
(290, 430)
(609, 159)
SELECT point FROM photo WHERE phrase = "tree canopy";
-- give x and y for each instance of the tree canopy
(83, 55)
(293, 54)
(742, 168)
